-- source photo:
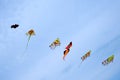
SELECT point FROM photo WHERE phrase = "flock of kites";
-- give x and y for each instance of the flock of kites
(56, 43)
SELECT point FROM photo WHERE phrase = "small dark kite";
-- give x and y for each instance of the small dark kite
(14, 26)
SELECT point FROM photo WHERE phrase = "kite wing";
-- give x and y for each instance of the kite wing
(65, 53)
(57, 42)
(52, 46)
(110, 59)
(69, 45)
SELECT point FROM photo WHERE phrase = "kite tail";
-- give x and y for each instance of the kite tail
(64, 58)
(80, 64)
(26, 46)
(28, 42)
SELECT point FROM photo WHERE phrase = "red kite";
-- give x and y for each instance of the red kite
(67, 49)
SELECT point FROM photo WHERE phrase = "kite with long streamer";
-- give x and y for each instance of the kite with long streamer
(29, 34)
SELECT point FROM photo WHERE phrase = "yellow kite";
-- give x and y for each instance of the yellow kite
(55, 43)
(29, 34)
(108, 60)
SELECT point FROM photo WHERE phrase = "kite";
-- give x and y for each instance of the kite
(108, 60)
(30, 33)
(86, 55)
(14, 26)
(67, 49)
(55, 43)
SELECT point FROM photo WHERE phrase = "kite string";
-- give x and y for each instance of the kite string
(80, 64)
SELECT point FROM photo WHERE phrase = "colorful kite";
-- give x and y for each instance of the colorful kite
(67, 49)
(108, 60)
(14, 26)
(55, 43)
(30, 33)
(86, 55)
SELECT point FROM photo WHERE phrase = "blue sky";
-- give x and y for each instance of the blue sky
(90, 25)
